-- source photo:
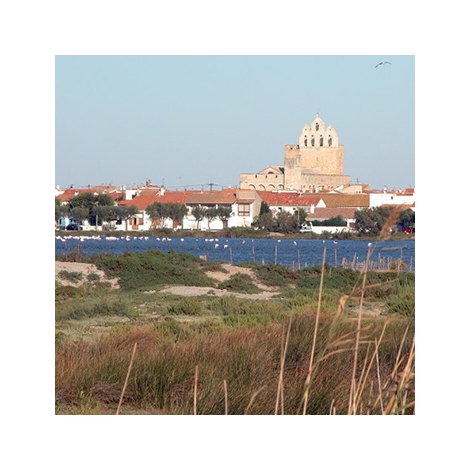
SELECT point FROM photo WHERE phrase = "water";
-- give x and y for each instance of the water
(287, 252)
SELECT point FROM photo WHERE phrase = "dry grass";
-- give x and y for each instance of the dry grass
(305, 361)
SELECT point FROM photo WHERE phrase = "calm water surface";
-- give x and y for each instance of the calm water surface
(288, 252)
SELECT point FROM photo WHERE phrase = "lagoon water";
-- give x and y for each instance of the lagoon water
(288, 252)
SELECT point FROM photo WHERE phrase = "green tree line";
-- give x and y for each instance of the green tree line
(96, 209)
(101, 208)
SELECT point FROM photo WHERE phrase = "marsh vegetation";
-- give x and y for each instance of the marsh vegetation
(323, 340)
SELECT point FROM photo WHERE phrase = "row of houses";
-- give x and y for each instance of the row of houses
(244, 204)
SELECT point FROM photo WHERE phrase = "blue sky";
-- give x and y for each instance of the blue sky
(190, 120)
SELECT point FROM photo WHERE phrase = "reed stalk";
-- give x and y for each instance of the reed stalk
(280, 385)
(352, 395)
(127, 379)
(368, 366)
(396, 404)
(379, 382)
(226, 397)
(195, 391)
(252, 399)
(314, 341)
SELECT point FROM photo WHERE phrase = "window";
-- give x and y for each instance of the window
(243, 210)
(330, 141)
(305, 140)
(317, 126)
(321, 141)
(313, 141)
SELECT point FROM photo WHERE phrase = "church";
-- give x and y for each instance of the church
(315, 164)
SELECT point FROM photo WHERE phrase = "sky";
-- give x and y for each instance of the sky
(188, 121)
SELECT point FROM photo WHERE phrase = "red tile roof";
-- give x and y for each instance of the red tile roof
(345, 200)
(225, 196)
(289, 199)
(147, 197)
(70, 193)
(325, 213)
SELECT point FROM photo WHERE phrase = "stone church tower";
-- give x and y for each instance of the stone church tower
(316, 163)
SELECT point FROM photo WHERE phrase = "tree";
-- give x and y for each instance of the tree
(125, 213)
(79, 214)
(198, 213)
(264, 221)
(102, 213)
(286, 222)
(301, 215)
(84, 201)
(98, 206)
(371, 221)
(177, 212)
(211, 214)
(336, 221)
(264, 209)
(60, 210)
(156, 212)
(103, 209)
(104, 200)
(406, 219)
(159, 212)
(224, 213)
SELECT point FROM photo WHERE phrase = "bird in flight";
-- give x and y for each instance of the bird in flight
(383, 63)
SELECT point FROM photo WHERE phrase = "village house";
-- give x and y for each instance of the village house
(312, 178)
(143, 198)
(244, 205)
(290, 201)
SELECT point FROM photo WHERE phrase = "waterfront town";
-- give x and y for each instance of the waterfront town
(311, 179)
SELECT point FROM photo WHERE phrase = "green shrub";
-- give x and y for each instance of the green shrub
(71, 276)
(94, 308)
(93, 277)
(153, 268)
(240, 283)
(67, 292)
(276, 275)
(402, 302)
(259, 311)
(186, 306)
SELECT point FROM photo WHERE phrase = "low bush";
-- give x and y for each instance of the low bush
(67, 292)
(93, 277)
(276, 275)
(239, 282)
(186, 306)
(93, 308)
(71, 276)
(153, 268)
(402, 302)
